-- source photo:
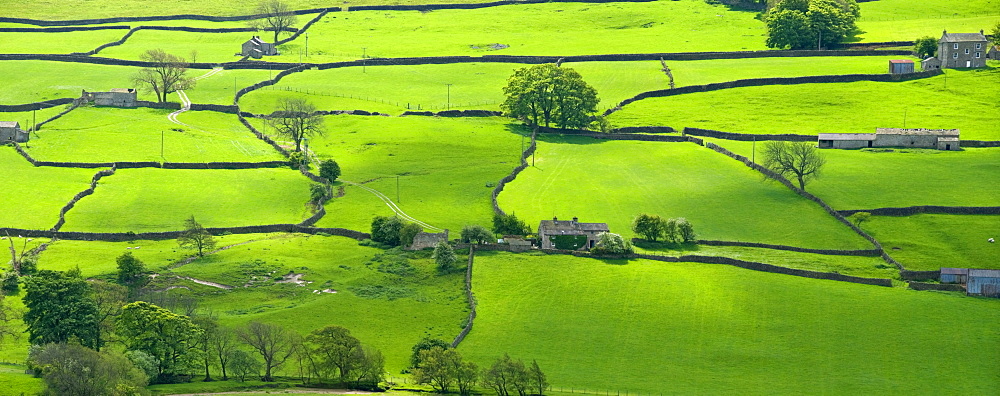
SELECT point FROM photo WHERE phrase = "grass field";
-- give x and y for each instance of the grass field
(931, 241)
(946, 178)
(692, 328)
(56, 43)
(446, 167)
(94, 134)
(210, 47)
(36, 208)
(902, 20)
(607, 182)
(160, 199)
(967, 103)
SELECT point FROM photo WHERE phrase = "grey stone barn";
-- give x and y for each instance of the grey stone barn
(555, 232)
(941, 139)
(424, 240)
(954, 275)
(257, 48)
(994, 53)
(963, 49)
(10, 131)
(900, 66)
(983, 282)
(116, 97)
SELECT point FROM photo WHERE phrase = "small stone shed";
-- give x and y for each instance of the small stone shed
(900, 66)
(954, 275)
(994, 53)
(930, 64)
(586, 233)
(425, 240)
(116, 97)
(10, 131)
(962, 49)
(257, 48)
(941, 139)
(984, 282)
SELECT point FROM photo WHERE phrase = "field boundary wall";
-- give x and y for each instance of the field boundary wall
(930, 209)
(980, 143)
(470, 298)
(90, 190)
(919, 275)
(513, 174)
(936, 286)
(829, 252)
(755, 266)
(130, 236)
(35, 105)
(788, 137)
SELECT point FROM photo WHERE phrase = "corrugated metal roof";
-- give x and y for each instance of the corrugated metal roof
(962, 37)
(916, 131)
(954, 271)
(983, 273)
(846, 136)
(8, 124)
(900, 61)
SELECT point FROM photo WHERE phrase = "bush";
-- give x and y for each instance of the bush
(445, 257)
(685, 231)
(509, 225)
(330, 170)
(611, 243)
(297, 159)
(386, 230)
(408, 232)
(925, 47)
(476, 234)
(10, 284)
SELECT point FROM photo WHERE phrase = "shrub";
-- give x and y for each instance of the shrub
(685, 231)
(445, 257)
(297, 159)
(408, 232)
(10, 284)
(476, 234)
(611, 243)
(386, 230)
(329, 169)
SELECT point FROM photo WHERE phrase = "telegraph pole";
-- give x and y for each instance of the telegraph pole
(397, 188)
(161, 145)
(449, 96)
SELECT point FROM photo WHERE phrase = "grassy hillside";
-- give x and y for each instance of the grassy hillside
(931, 241)
(902, 20)
(691, 328)
(56, 43)
(27, 205)
(967, 103)
(608, 181)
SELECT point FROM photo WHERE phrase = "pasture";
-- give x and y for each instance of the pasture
(645, 326)
(927, 242)
(967, 104)
(160, 199)
(901, 20)
(605, 181)
(28, 206)
(95, 134)
(56, 43)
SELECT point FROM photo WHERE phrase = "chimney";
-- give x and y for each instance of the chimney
(555, 218)
(575, 219)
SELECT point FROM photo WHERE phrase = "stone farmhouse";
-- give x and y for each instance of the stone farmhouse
(548, 229)
(959, 50)
(257, 48)
(941, 139)
(116, 97)
(10, 131)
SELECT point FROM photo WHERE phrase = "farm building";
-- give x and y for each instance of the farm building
(900, 66)
(931, 63)
(10, 131)
(569, 234)
(993, 53)
(954, 275)
(257, 48)
(424, 240)
(941, 139)
(983, 282)
(117, 97)
(962, 49)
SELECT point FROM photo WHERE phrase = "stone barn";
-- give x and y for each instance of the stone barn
(962, 49)
(569, 234)
(116, 97)
(994, 53)
(425, 240)
(10, 131)
(257, 48)
(983, 282)
(954, 275)
(930, 64)
(900, 66)
(941, 139)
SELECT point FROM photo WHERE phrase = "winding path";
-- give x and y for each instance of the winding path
(185, 102)
(392, 205)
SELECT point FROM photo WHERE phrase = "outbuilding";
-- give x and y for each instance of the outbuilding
(116, 97)
(257, 48)
(984, 282)
(954, 275)
(569, 234)
(941, 139)
(900, 66)
(10, 131)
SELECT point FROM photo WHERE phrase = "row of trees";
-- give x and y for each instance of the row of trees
(437, 364)
(805, 24)
(654, 227)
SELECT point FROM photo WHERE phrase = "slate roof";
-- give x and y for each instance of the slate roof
(954, 271)
(847, 136)
(983, 273)
(570, 227)
(8, 124)
(122, 90)
(920, 131)
(962, 37)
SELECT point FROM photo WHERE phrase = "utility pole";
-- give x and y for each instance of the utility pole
(161, 145)
(753, 153)
(449, 97)
(34, 121)
(307, 44)
(397, 188)
(904, 118)
(364, 59)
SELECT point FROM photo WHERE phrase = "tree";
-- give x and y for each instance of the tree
(670, 231)
(995, 34)
(649, 226)
(223, 346)
(145, 362)
(409, 231)
(167, 73)
(171, 338)
(505, 374)
(425, 344)
(60, 308)
(131, 271)
(537, 378)
(243, 364)
(611, 243)
(509, 224)
(329, 169)
(438, 367)
(7, 316)
(925, 47)
(800, 159)
(110, 298)
(543, 94)
(860, 217)
(445, 258)
(318, 194)
(72, 369)
(685, 231)
(466, 376)
(195, 236)
(11, 283)
(210, 328)
(296, 119)
(385, 229)
(273, 342)
(370, 370)
(805, 24)
(476, 234)
(276, 16)
(334, 349)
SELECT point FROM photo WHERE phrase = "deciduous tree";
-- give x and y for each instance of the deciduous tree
(171, 338)
(425, 344)
(329, 169)
(243, 364)
(438, 367)
(649, 226)
(805, 24)
(167, 74)
(385, 229)
(274, 343)
(545, 94)
(408, 232)
(196, 237)
(925, 47)
(799, 159)
(60, 307)
(276, 16)
(110, 298)
(296, 119)
(860, 217)
(476, 234)
(334, 350)
(509, 224)
(611, 243)
(131, 271)
(72, 369)
(685, 231)
(444, 257)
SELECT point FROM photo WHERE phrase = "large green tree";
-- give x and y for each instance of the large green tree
(925, 47)
(334, 350)
(170, 338)
(195, 236)
(649, 226)
(60, 307)
(72, 369)
(810, 24)
(274, 343)
(546, 94)
(131, 271)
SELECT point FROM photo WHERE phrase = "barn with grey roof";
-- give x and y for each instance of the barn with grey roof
(10, 131)
(257, 48)
(569, 234)
(941, 139)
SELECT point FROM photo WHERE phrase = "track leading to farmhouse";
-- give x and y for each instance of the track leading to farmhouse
(185, 102)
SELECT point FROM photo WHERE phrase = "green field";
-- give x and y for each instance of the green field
(160, 199)
(94, 134)
(948, 178)
(931, 241)
(210, 47)
(446, 167)
(968, 103)
(56, 43)
(694, 328)
(36, 209)
(605, 181)
(902, 20)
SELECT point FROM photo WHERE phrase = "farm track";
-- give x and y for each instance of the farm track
(185, 102)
